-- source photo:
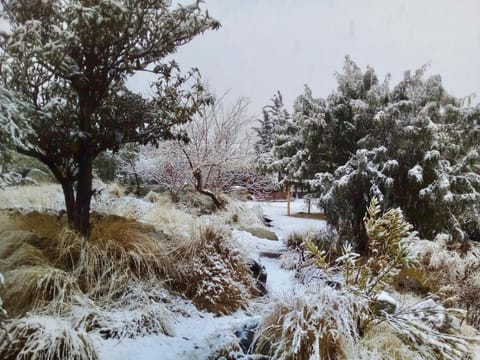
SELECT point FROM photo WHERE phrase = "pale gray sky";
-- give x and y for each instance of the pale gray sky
(269, 45)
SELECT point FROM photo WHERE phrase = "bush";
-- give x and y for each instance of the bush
(46, 338)
(214, 274)
(318, 322)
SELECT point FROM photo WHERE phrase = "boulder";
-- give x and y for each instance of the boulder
(261, 233)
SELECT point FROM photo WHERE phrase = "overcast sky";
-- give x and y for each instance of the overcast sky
(269, 45)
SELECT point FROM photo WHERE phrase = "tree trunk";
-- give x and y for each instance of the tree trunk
(69, 195)
(197, 174)
(137, 183)
(84, 191)
(288, 200)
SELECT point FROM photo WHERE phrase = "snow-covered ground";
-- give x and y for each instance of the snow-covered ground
(198, 333)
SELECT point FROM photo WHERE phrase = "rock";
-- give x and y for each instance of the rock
(39, 176)
(261, 233)
(145, 189)
(272, 254)
(385, 303)
(267, 221)
(259, 273)
(246, 335)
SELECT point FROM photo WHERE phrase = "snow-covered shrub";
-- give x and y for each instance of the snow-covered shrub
(241, 215)
(432, 331)
(311, 323)
(166, 217)
(116, 189)
(290, 260)
(387, 238)
(455, 272)
(215, 274)
(427, 327)
(324, 239)
(44, 338)
(412, 145)
(226, 346)
(139, 311)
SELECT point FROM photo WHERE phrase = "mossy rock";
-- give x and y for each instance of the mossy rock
(261, 233)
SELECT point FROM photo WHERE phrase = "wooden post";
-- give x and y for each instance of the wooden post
(288, 200)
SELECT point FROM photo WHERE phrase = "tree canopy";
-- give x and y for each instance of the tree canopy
(412, 145)
(65, 64)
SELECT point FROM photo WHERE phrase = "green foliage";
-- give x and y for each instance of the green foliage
(105, 167)
(64, 68)
(388, 237)
(427, 328)
(411, 145)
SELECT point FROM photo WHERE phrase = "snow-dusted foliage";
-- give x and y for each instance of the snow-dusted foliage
(12, 127)
(64, 65)
(412, 146)
(286, 140)
(151, 165)
(215, 158)
(311, 323)
(218, 150)
(46, 338)
(427, 328)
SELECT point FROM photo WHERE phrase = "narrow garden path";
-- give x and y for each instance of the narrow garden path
(197, 333)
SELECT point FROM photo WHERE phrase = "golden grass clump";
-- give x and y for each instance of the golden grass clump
(42, 225)
(212, 272)
(411, 279)
(44, 338)
(116, 189)
(382, 341)
(318, 323)
(24, 255)
(53, 265)
(117, 252)
(37, 287)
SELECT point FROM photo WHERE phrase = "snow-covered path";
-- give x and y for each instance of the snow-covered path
(197, 334)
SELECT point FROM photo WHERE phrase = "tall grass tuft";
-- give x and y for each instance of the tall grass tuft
(315, 323)
(212, 272)
(44, 338)
(37, 287)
